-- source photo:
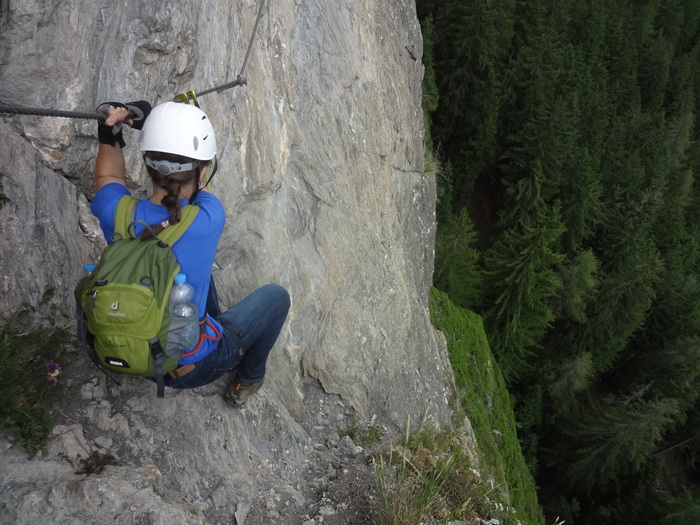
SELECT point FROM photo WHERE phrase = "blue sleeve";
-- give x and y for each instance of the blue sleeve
(212, 215)
(104, 206)
(196, 250)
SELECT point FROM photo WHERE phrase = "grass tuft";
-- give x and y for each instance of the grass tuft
(407, 491)
(30, 367)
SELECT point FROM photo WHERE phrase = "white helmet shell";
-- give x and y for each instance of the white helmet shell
(181, 129)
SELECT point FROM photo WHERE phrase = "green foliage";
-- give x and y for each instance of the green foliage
(580, 286)
(585, 115)
(619, 440)
(622, 307)
(457, 269)
(407, 493)
(681, 509)
(445, 193)
(431, 164)
(47, 310)
(29, 367)
(31, 351)
(522, 277)
(571, 377)
(431, 474)
(431, 95)
(470, 61)
(486, 401)
(529, 406)
(362, 436)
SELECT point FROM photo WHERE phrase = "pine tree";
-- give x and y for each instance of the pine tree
(599, 448)
(580, 278)
(522, 277)
(472, 48)
(571, 377)
(620, 310)
(457, 269)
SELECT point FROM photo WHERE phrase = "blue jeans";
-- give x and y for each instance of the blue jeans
(259, 318)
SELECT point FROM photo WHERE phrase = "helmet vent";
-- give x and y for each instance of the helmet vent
(195, 143)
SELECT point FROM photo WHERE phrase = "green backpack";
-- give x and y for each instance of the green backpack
(123, 316)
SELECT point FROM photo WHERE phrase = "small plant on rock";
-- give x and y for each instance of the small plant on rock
(362, 436)
(95, 463)
(431, 475)
(406, 493)
(30, 358)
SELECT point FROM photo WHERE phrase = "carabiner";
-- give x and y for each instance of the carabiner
(185, 97)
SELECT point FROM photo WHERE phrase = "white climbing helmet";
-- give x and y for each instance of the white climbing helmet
(181, 129)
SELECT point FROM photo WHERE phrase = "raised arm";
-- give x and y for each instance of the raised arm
(109, 164)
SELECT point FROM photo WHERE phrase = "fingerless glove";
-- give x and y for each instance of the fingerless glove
(110, 135)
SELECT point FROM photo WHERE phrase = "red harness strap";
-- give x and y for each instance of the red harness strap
(203, 335)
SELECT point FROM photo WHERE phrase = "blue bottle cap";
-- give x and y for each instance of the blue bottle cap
(180, 278)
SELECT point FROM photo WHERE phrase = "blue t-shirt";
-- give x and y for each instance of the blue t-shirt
(194, 251)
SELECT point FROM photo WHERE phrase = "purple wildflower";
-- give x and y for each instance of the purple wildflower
(53, 369)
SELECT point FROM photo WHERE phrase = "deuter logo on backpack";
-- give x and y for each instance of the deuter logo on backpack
(114, 312)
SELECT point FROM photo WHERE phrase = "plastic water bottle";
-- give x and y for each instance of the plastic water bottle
(184, 313)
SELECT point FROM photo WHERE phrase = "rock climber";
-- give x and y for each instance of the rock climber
(178, 144)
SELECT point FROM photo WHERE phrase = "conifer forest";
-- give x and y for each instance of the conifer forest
(566, 135)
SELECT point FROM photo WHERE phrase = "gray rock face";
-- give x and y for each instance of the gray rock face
(321, 159)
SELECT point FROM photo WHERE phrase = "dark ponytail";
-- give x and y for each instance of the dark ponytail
(172, 184)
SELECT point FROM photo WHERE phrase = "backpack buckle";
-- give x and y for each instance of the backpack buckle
(158, 354)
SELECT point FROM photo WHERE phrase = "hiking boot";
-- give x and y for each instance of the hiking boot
(238, 393)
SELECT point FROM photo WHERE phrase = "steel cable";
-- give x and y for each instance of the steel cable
(41, 112)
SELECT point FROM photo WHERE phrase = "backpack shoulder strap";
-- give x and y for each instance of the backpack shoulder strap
(124, 216)
(172, 233)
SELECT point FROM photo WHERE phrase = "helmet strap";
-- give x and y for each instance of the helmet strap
(196, 186)
(213, 172)
(199, 172)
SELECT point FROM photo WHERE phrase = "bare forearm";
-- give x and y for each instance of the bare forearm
(109, 166)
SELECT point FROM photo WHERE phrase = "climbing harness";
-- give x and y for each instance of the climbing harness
(134, 112)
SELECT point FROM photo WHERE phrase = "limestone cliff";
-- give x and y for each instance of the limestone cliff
(321, 159)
